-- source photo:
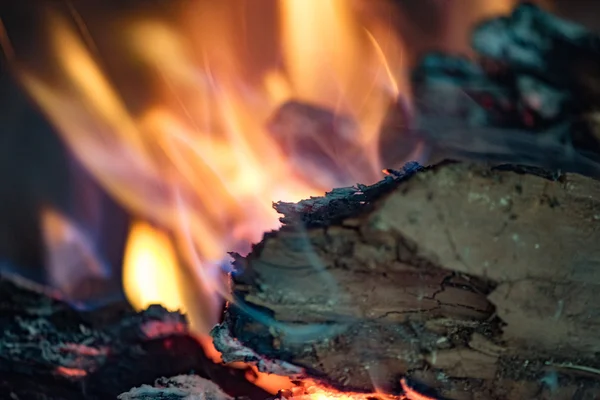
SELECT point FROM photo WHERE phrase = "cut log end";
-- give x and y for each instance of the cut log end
(478, 283)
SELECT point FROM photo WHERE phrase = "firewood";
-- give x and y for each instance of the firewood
(471, 281)
(52, 351)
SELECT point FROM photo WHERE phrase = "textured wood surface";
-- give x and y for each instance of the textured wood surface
(479, 283)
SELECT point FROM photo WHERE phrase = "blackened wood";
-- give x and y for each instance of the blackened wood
(52, 351)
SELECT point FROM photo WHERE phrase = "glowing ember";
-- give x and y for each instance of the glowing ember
(310, 390)
(84, 350)
(73, 373)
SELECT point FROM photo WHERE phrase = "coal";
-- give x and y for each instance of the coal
(50, 350)
(455, 87)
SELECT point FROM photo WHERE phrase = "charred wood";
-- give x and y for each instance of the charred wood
(52, 351)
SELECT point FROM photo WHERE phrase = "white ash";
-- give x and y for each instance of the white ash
(182, 387)
(233, 350)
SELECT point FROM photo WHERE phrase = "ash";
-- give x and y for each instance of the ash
(182, 387)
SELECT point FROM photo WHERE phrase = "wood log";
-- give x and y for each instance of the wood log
(50, 350)
(469, 281)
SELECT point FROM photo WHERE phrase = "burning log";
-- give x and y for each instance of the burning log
(53, 351)
(473, 282)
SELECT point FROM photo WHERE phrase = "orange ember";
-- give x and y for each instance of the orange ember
(73, 373)
(310, 390)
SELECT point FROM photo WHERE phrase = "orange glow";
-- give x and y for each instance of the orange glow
(150, 269)
(198, 160)
(71, 372)
(311, 390)
(268, 382)
(492, 8)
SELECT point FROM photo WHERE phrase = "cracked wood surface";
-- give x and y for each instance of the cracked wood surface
(479, 283)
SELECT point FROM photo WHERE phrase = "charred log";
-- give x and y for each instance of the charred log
(536, 73)
(52, 351)
(476, 283)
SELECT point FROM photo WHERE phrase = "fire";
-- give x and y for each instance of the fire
(310, 390)
(197, 160)
(151, 269)
(70, 254)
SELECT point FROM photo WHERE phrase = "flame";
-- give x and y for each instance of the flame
(312, 390)
(70, 254)
(196, 163)
(151, 269)
(197, 160)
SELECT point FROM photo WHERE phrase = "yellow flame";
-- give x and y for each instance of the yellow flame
(309, 389)
(198, 160)
(317, 58)
(151, 268)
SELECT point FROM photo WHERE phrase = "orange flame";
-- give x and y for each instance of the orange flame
(198, 161)
(311, 390)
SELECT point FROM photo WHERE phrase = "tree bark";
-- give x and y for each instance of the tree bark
(471, 282)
